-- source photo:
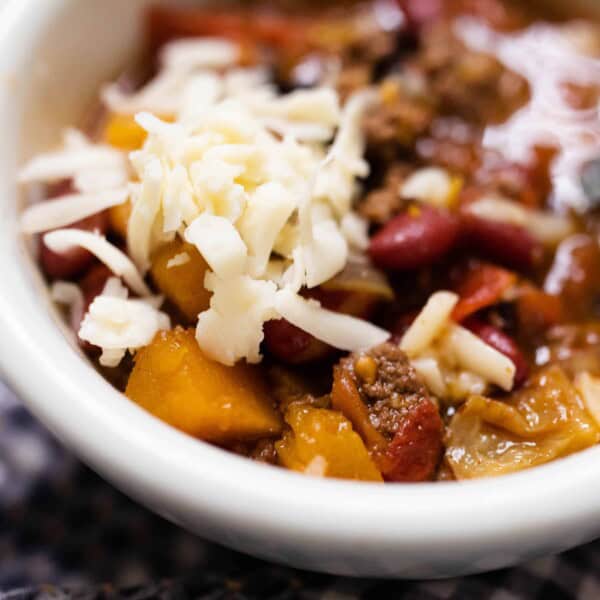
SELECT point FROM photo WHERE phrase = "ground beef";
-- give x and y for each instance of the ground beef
(353, 78)
(396, 122)
(391, 390)
(399, 409)
(454, 144)
(473, 85)
(384, 202)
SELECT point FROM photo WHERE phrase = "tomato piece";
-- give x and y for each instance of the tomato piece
(537, 310)
(415, 450)
(166, 23)
(479, 286)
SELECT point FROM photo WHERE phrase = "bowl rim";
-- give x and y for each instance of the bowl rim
(152, 460)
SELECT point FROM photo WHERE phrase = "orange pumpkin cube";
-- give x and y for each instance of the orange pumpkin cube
(118, 217)
(322, 442)
(123, 132)
(173, 380)
(178, 271)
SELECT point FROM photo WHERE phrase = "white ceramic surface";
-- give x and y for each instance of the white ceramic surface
(53, 54)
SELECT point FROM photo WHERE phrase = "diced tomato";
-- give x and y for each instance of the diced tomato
(166, 23)
(537, 311)
(415, 450)
(480, 285)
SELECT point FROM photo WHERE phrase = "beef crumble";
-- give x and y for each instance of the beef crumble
(388, 384)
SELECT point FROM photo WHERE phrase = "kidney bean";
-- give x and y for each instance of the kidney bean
(415, 450)
(511, 245)
(402, 323)
(414, 239)
(503, 343)
(72, 263)
(292, 345)
(421, 12)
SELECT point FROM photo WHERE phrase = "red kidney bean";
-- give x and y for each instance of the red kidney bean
(421, 12)
(511, 245)
(72, 263)
(292, 345)
(414, 239)
(503, 343)
(402, 323)
(415, 450)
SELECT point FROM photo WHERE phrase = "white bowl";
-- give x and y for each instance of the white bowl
(53, 55)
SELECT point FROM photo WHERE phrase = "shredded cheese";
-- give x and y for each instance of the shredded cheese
(70, 294)
(261, 183)
(219, 243)
(430, 322)
(63, 240)
(178, 260)
(453, 362)
(68, 209)
(117, 324)
(429, 370)
(473, 354)
(76, 157)
(336, 329)
(547, 57)
(431, 185)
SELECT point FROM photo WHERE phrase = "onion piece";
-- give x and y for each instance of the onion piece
(360, 276)
(588, 387)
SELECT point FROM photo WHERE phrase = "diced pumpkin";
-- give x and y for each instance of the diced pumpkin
(322, 442)
(118, 217)
(182, 284)
(543, 421)
(173, 380)
(123, 132)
